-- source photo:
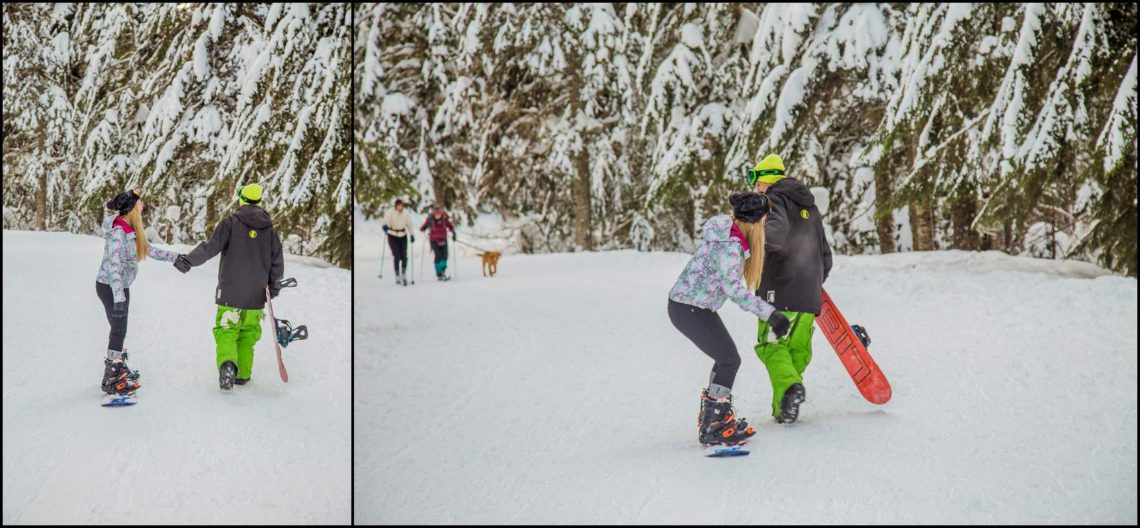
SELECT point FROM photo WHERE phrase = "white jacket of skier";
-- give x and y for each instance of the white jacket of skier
(398, 222)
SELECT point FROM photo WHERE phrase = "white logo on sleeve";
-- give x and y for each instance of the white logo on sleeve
(771, 296)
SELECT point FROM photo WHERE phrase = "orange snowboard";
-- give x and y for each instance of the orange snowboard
(863, 370)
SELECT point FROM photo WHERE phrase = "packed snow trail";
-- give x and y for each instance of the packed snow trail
(558, 392)
(265, 452)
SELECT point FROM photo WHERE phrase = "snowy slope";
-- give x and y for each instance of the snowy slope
(558, 392)
(187, 453)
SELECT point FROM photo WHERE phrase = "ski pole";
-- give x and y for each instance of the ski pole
(423, 256)
(456, 274)
(382, 248)
(411, 250)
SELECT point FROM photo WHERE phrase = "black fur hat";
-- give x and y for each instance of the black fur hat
(123, 202)
(749, 206)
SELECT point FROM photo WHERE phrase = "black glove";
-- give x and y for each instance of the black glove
(385, 228)
(119, 310)
(779, 324)
(182, 263)
(413, 238)
(273, 293)
(453, 236)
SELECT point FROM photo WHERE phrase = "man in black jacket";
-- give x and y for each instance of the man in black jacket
(251, 260)
(797, 260)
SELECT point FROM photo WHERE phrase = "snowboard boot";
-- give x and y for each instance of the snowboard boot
(241, 381)
(718, 423)
(790, 404)
(118, 378)
(226, 375)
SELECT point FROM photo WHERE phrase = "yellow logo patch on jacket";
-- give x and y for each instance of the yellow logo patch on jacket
(804, 213)
(253, 234)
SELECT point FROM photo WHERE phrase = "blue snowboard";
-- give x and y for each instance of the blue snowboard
(718, 451)
(119, 400)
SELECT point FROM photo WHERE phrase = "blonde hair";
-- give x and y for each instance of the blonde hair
(754, 265)
(134, 218)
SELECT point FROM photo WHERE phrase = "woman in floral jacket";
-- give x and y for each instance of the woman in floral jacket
(726, 265)
(124, 246)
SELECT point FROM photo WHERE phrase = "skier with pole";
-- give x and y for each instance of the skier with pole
(439, 223)
(395, 224)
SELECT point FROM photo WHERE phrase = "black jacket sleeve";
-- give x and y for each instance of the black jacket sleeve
(217, 243)
(277, 269)
(775, 226)
(825, 252)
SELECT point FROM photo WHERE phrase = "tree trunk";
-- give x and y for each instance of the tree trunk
(884, 219)
(41, 201)
(581, 191)
(580, 185)
(962, 213)
(922, 227)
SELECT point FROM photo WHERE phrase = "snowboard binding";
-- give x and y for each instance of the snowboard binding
(287, 334)
(118, 378)
(861, 333)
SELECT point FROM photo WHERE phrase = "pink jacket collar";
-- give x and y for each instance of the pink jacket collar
(736, 233)
(128, 229)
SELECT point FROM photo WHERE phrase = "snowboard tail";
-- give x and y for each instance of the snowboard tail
(848, 345)
(276, 342)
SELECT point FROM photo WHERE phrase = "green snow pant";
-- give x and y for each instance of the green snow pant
(788, 357)
(235, 332)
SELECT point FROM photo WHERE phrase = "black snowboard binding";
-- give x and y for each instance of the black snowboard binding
(283, 331)
(717, 423)
(790, 404)
(118, 378)
(226, 375)
(287, 334)
(861, 333)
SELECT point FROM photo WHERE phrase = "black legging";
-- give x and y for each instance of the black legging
(439, 250)
(118, 324)
(705, 329)
(399, 247)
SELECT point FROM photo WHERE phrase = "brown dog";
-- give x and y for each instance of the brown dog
(490, 262)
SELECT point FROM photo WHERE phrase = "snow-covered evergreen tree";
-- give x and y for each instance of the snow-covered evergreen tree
(187, 102)
(933, 126)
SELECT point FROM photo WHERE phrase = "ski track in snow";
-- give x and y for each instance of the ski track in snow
(266, 452)
(558, 392)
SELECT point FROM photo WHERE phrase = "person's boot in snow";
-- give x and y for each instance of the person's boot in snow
(718, 422)
(701, 415)
(790, 404)
(226, 375)
(118, 378)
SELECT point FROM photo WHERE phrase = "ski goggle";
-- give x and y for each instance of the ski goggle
(754, 175)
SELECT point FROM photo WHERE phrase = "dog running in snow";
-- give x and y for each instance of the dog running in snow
(490, 262)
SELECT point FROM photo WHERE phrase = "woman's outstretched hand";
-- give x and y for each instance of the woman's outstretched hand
(182, 263)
